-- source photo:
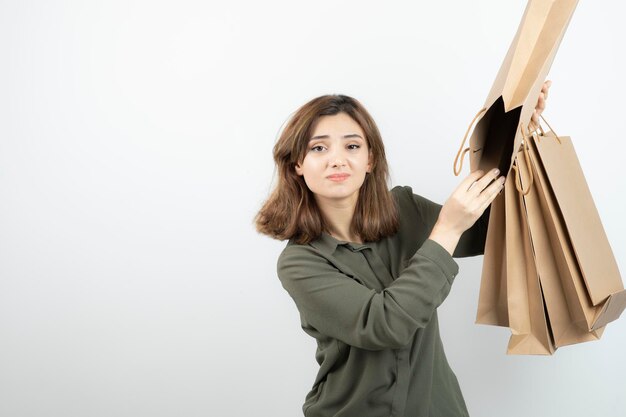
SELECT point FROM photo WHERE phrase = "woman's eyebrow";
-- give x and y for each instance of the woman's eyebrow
(350, 136)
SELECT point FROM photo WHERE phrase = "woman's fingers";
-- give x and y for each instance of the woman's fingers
(469, 201)
(481, 192)
(482, 183)
(545, 88)
(469, 181)
(490, 193)
(541, 103)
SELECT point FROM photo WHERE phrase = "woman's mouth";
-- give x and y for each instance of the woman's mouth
(338, 177)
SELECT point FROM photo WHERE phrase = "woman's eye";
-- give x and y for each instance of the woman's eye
(354, 146)
(317, 148)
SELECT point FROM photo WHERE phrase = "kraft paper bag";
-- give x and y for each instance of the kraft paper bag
(511, 101)
(566, 311)
(527, 319)
(492, 302)
(596, 286)
(548, 272)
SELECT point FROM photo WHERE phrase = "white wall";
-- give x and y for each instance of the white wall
(135, 149)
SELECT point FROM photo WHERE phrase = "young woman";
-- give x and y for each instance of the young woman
(367, 266)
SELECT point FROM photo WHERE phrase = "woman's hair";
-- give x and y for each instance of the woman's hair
(291, 211)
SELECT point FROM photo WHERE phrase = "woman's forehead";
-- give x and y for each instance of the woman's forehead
(340, 124)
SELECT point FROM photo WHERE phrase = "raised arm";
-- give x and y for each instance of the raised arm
(472, 241)
(340, 307)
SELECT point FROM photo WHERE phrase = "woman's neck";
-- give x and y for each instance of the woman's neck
(338, 215)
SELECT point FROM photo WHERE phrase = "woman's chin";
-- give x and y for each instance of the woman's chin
(338, 194)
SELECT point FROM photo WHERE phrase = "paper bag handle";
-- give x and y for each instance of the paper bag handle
(518, 182)
(461, 153)
(543, 133)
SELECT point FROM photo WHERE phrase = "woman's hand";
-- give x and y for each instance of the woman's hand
(541, 105)
(464, 206)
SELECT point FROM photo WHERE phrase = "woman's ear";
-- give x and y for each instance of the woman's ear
(299, 169)
(369, 162)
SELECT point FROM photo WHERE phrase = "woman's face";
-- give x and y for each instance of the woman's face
(336, 159)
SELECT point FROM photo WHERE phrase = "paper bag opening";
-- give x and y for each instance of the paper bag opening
(493, 138)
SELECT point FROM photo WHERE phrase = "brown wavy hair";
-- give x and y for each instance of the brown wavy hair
(291, 211)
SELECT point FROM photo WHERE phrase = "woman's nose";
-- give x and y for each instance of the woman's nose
(337, 159)
(338, 162)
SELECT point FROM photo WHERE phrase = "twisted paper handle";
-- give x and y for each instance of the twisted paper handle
(518, 181)
(461, 153)
(543, 133)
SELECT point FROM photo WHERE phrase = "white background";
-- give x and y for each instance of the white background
(136, 147)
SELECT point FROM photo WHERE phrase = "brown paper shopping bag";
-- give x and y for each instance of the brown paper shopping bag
(513, 96)
(565, 310)
(596, 286)
(526, 312)
(492, 303)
